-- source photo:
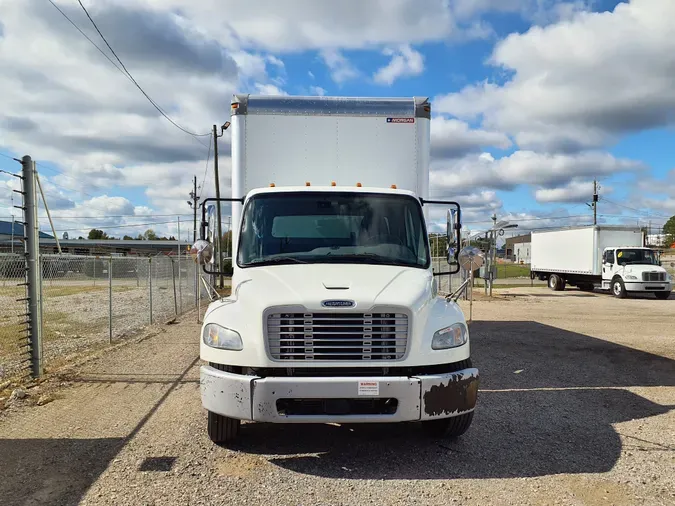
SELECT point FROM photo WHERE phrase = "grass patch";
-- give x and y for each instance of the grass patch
(512, 271)
(62, 291)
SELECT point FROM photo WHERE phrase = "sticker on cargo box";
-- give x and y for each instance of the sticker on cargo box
(400, 120)
(369, 388)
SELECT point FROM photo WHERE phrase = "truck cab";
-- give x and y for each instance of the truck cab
(634, 269)
(334, 314)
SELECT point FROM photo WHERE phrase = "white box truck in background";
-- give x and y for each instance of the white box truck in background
(334, 314)
(612, 257)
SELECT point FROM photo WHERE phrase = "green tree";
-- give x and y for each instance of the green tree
(128, 238)
(150, 235)
(669, 231)
(95, 234)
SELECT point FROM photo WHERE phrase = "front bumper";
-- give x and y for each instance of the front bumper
(648, 286)
(423, 397)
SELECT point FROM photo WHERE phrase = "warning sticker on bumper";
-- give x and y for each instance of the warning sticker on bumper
(369, 388)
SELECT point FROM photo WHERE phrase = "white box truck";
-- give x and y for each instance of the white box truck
(334, 314)
(612, 257)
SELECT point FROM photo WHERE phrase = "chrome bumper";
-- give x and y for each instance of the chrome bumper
(419, 397)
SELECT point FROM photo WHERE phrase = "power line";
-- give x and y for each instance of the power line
(161, 111)
(649, 213)
(117, 226)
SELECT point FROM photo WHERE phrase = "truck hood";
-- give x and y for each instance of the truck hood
(310, 284)
(640, 268)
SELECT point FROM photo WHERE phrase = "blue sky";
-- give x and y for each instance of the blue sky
(532, 99)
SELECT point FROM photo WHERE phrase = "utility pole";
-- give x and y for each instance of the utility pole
(595, 202)
(194, 204)
(218, 245)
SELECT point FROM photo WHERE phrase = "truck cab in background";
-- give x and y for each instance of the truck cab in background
(334, 314)
(634, 269)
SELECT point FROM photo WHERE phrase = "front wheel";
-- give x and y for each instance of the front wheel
(222, 429)
(662, 295)
(448, 427)
(618, 288)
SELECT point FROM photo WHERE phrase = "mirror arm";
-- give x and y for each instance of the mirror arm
(202, 231)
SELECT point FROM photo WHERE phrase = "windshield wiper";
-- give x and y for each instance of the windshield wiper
(278, 260)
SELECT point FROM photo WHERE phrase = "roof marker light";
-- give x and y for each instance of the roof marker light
(306, 183)
(332, 183)
(359, 185)
(272, 185)
(393, 186)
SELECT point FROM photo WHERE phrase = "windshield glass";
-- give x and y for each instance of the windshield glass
(322, 227)
(636, 256)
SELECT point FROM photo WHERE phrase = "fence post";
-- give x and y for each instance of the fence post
(180, 285)
(150, 285)
(33, 277)
(110, 296)
(173, 278)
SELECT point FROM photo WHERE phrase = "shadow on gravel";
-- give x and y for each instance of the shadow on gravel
(555, 416)
(52, 471)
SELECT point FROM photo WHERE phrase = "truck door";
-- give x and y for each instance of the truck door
(608, 264)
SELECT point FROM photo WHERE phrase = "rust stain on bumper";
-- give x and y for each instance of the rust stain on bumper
(454, 396)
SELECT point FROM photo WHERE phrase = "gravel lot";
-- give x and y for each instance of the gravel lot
(575, 407)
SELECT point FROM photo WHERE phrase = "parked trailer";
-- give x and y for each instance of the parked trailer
(611, 257)
(334, 314)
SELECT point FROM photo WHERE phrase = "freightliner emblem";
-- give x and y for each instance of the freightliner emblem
(338, 303)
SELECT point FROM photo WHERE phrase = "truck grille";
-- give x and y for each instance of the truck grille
(653, 276)
(337, 336)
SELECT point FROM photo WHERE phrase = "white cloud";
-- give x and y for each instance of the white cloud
(341, 69)
(524, 167)
(405, 62)
(269, 89)
(574, 191)
(580, 83)
(452, 138)
(317, 90)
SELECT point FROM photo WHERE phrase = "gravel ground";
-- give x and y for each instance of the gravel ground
(575, 407)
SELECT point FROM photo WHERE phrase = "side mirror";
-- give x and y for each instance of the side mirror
(202, 252)
(452, 233)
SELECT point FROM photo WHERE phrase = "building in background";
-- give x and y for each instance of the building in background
(518, 248)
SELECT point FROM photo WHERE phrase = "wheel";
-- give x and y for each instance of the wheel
(556, 283)
(586, 287)
(448, 427)
(618, 288)
(222, 429)
(662, 295)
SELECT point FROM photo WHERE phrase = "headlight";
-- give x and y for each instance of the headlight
(449, 337)
(220, 337)
(628, 276)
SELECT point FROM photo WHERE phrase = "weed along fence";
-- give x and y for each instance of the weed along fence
(85, 301)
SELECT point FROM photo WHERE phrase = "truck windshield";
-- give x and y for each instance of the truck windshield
(636, 256)
(323, 227)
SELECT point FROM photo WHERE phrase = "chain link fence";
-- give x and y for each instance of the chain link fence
(87, 301)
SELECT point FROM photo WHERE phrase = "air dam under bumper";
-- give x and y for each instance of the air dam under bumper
(423, 397)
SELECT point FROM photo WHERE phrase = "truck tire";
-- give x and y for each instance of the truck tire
(618, 288)
(223, 429)
(448, 427)
(556, 283)
(662, 295)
